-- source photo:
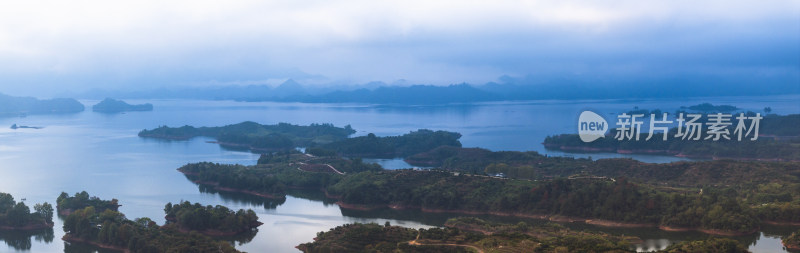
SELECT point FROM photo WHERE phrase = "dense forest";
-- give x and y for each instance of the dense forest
(211, 220)
(111, 229)
(394, 146)
(321, 139)
(17, 216)
(772, 188)
(529, 165)
(577, 198)
(110, 105)
(359, 238)
(254, 136)
(65, 204)
(532, 165)
(275, 173)
(779, 139)
(712, 244)
(718, 196)
(472, 234)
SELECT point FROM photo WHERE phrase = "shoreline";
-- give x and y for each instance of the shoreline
(708, 231)
(554, 218)
(581, 149)
(782, 223)
(211, 232)
(790, 246)
(228, 189)
(166, 137)
(68, 238)
(630, 239)
(28, 227)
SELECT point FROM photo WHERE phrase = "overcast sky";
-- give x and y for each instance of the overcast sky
(55, 46)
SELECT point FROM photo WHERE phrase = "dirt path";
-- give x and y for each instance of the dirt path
(414, 242)
(328, 165)
(334, 169)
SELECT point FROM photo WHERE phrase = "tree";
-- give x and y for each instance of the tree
(45, 210)
(19, 214)
(6, 202)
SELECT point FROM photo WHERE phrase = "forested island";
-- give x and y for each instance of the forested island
(17, 216)
(66, 204)
(472, 234)
(321, 139)
(779, 139)
(21, 106)
(211, 220)
(404, 145)
(110, 229)
(110, 105)
(717, 197)
(257, 137)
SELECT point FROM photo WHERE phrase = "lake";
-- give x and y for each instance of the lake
(102, 154)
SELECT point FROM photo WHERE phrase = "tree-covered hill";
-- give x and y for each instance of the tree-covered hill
(15, 106)
(257, 136)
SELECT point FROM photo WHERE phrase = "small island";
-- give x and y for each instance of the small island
(256, 137)
(11, 106)
(66, 204)
(110, 229)
(322, 139)
(17, 216)
(15, 127)
(212, 221)
(110, 105)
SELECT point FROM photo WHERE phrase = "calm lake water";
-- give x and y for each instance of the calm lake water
(100, 153)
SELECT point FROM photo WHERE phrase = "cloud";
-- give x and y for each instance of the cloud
(82, 44)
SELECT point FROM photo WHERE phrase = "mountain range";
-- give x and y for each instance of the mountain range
(506, 89)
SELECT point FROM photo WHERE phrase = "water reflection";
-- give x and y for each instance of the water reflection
(21, 240)
(242, 199)
(240, 239)
(77, 247)
(311, 194)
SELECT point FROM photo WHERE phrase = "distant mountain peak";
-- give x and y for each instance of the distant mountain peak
(290, 82)
(289, 88)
